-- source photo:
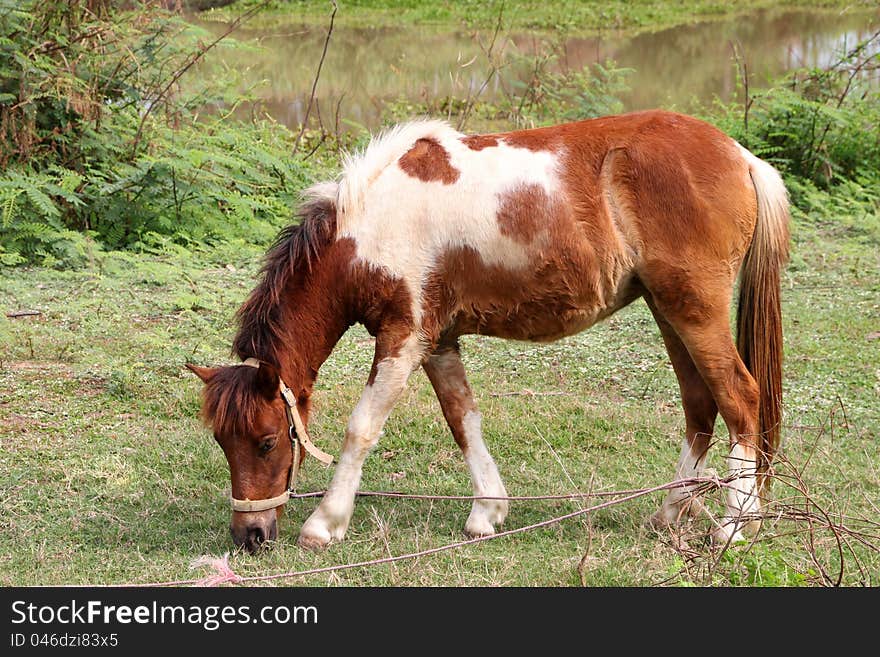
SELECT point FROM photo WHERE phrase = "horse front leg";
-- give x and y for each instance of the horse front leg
(446, 372)
(388, 378)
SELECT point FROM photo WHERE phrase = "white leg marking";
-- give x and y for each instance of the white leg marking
(330, 520)
(485, 514)
(690, 465)
(742, 496)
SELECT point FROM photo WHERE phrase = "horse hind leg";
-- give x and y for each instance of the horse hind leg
(700, 412)
(703, 326)
(446, 373)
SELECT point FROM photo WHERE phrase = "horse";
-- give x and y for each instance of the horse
(429, 234)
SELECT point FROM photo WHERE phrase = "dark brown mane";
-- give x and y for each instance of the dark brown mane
(260, 333)
(230, 400)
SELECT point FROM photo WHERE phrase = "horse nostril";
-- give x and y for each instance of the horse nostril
(254, 534)
(255, 538)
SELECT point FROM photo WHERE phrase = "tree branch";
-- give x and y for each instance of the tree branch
(317, 77)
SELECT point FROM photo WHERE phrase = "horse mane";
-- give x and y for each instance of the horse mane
(230, 400)
(297, 247)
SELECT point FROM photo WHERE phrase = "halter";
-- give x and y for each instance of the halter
(296, 432)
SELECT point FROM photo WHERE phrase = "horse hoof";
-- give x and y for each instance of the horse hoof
(313, 543)
(662, 519)
(478, 528)
(725, 535)
(751, 527)
(656, 521)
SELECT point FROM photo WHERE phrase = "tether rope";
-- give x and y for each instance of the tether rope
(225, 573)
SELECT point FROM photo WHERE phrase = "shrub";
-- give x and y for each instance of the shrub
(100, 141)
(819, 124)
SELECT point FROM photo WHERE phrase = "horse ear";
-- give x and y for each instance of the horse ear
(204, 373)
(268, 380)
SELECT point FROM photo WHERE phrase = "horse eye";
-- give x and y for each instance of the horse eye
(267, 444)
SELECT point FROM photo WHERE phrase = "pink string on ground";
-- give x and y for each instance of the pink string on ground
(223, 573)
(626, 496)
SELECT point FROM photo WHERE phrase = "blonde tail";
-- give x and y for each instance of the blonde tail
(759, 315)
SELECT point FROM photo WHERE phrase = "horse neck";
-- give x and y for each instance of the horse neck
(312, 315)
(316, 318)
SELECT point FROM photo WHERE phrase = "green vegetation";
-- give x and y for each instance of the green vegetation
(818, 124)
(574, 16)
(100, 147)
(136, 252)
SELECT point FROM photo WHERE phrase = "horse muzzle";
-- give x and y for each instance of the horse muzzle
(252, 530)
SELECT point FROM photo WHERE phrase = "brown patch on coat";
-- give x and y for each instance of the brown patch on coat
(428, 161)
(390, 316)
(479, 142)
(554, 296)
(525, 211)
(530, 139)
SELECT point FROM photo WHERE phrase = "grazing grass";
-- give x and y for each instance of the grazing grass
(106, 475)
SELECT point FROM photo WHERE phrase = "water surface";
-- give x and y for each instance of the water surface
(366, 68)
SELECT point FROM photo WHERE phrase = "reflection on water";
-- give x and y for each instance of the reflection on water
(366, 68)
(676, 66)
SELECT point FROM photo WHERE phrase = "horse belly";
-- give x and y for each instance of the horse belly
(533, 324)
(537, 304)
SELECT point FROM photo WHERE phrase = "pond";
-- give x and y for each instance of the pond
(365, 68)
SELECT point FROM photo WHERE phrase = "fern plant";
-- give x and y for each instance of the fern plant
(99, 147)
(819, 124)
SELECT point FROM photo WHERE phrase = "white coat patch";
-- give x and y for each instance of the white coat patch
(404, 225)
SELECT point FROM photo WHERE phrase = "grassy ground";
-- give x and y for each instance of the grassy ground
(106, 475)
(569, 15)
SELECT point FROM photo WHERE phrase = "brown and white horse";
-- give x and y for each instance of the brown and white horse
(532, 235)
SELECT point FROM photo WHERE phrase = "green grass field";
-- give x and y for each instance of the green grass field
(108, 476)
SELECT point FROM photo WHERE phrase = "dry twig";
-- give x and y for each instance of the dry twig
(315, 82)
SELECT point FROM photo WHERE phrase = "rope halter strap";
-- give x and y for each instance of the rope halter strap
(296, 432)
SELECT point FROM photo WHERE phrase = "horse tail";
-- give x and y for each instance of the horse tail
(759, 312)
